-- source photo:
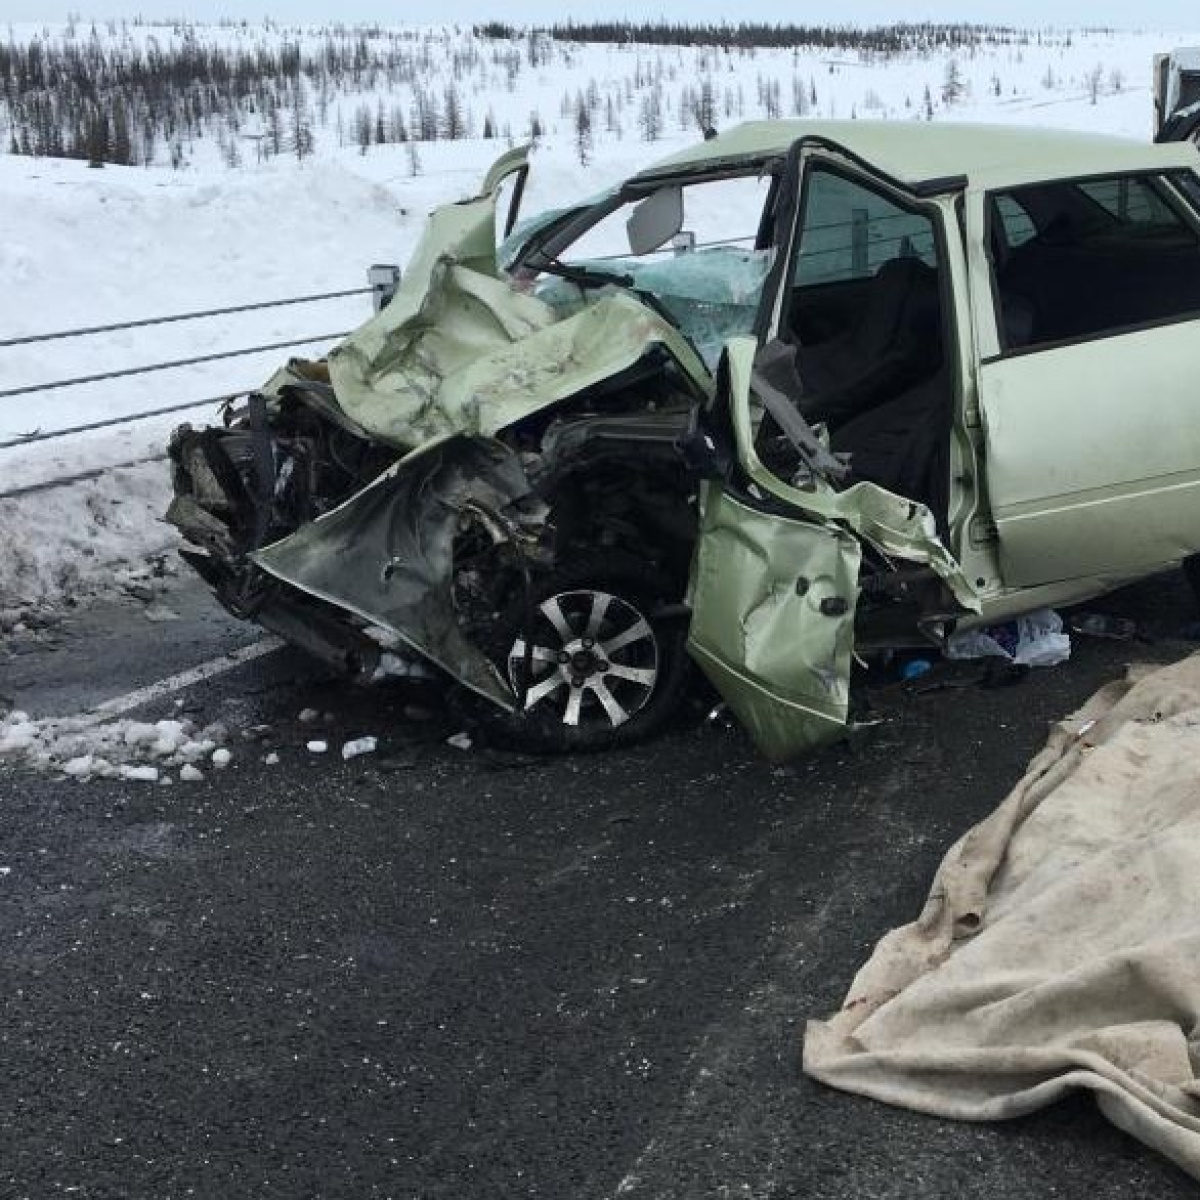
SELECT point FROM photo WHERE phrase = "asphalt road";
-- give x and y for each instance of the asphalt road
(436, 973)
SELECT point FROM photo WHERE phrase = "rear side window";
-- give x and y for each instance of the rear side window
(1132, 202)
(1017, 224)
(1095, 257)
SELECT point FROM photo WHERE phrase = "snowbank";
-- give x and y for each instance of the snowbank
(83, 247)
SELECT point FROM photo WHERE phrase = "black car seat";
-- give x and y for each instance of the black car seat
(902, 445)
(894, 344)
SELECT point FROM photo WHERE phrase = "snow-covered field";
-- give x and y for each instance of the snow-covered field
(82, 247)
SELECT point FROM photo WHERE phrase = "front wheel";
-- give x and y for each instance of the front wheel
(595, 657)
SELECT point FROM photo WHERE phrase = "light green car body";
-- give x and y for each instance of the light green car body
(1062, 486)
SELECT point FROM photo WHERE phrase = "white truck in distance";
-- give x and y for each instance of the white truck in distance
(1177, 95)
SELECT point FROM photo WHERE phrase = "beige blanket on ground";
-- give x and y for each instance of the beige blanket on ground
(1060, 944)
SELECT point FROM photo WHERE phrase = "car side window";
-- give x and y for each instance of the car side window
(849, 232)
(1131, 201)
(1105, 256)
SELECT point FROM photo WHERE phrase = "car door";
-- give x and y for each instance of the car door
(775, 576)
(1087, 310)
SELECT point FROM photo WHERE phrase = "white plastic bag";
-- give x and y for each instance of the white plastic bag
(1033, 640)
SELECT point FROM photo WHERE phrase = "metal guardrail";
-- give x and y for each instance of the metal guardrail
(382, 282)
(31, 388)
(89, 330)
(29, 439)
(49, 485)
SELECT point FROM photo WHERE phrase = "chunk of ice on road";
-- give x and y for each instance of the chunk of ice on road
(271, 759)
(139, 774)
(362, 745)
(460, 741)
(396, 666)
(91, 748)
(171, 736)
(17, 733)
(140, 733)
(191, 774)
(80, 767)
(197, 749)
(221, 759)
(318, 747)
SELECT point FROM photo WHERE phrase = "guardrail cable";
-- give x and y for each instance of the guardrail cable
(29, 439)
(49, 485)
(29, 389)
(89, 330)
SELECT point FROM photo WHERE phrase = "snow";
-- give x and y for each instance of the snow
(83, 748)
(84, 247)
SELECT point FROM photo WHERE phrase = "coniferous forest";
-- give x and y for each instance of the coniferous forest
(137, 93)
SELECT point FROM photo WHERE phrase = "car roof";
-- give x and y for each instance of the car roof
(917, 152)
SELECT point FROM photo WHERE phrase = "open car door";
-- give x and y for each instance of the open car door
(775, 576)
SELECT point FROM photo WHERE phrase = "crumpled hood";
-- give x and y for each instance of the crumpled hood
(457, 356)
(461, 350)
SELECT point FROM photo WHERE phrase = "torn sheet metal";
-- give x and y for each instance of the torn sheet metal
(773, 604)
(775, 584)
(460, 349)
(387, 553)
(898, 527)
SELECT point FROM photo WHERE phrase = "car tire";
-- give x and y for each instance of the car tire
(606, 660)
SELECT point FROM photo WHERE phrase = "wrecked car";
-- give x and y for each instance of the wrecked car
(795, 395)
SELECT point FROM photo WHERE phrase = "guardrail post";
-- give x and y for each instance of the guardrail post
(384, 279)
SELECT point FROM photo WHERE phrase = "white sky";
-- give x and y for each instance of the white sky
(1151, 14)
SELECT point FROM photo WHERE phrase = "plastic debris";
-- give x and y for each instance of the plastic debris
(915, 668)
(359, 746)
(190, 774)
(318, 747)
(271, 759)
(1033, 640)
(460, 741)
(308, 716)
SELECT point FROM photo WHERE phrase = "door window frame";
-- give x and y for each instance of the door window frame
(833, 159)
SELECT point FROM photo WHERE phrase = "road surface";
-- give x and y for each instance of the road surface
(435, 973)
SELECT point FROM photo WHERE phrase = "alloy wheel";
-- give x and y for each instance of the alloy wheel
(591, 658)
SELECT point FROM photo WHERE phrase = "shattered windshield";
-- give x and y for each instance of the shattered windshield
(708, 275)
(712, 295)
(511, 245)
